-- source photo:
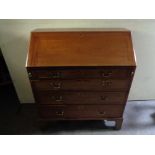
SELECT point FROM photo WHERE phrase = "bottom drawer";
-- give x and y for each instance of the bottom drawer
(80, 111)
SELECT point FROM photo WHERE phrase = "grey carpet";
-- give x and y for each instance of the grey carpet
(139, 119)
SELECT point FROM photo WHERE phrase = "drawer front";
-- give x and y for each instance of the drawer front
(51, 112)
(52, 97)
(79, 73)
(80, 111)
(83, 84)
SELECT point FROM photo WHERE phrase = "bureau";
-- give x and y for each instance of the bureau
(81, 74)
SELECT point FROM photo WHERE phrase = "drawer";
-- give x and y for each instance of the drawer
(79, 73)
(51, 111)
(82, 84)
(52, 97)
(80, 111)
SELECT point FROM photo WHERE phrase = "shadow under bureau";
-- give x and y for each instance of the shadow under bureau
(81, 74)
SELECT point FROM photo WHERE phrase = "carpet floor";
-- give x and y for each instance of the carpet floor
(21, 119)
(139, 119)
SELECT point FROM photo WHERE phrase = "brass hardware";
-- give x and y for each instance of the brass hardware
(106, 83)
(55, 75)
(102, 113)
(58, 98)
(30, 74)
(106, 74)
(60, 113)
(103, 98)
(56, 85)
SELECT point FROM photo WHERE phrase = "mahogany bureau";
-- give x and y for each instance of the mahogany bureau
(81, 74)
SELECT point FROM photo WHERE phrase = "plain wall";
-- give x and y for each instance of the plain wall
(14, 41)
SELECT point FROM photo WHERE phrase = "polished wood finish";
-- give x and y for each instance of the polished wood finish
(80, 111)
(82, 48)
(71, 73)
(82, 84)
(81, 74)
(81, 97)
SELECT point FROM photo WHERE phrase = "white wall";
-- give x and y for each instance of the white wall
(14, 36)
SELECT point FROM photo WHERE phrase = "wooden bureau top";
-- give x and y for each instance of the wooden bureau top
(81, 47)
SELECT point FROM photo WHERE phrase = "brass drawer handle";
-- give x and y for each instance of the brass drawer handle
(106, 83)
(103, 98)
(55, 75)
(102, 113)
(106, 74)
(55, 85)
(58, 98)
(60, 113)
(132, 73)
(30, 74)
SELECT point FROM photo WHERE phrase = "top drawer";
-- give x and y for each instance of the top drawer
(79, 73)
